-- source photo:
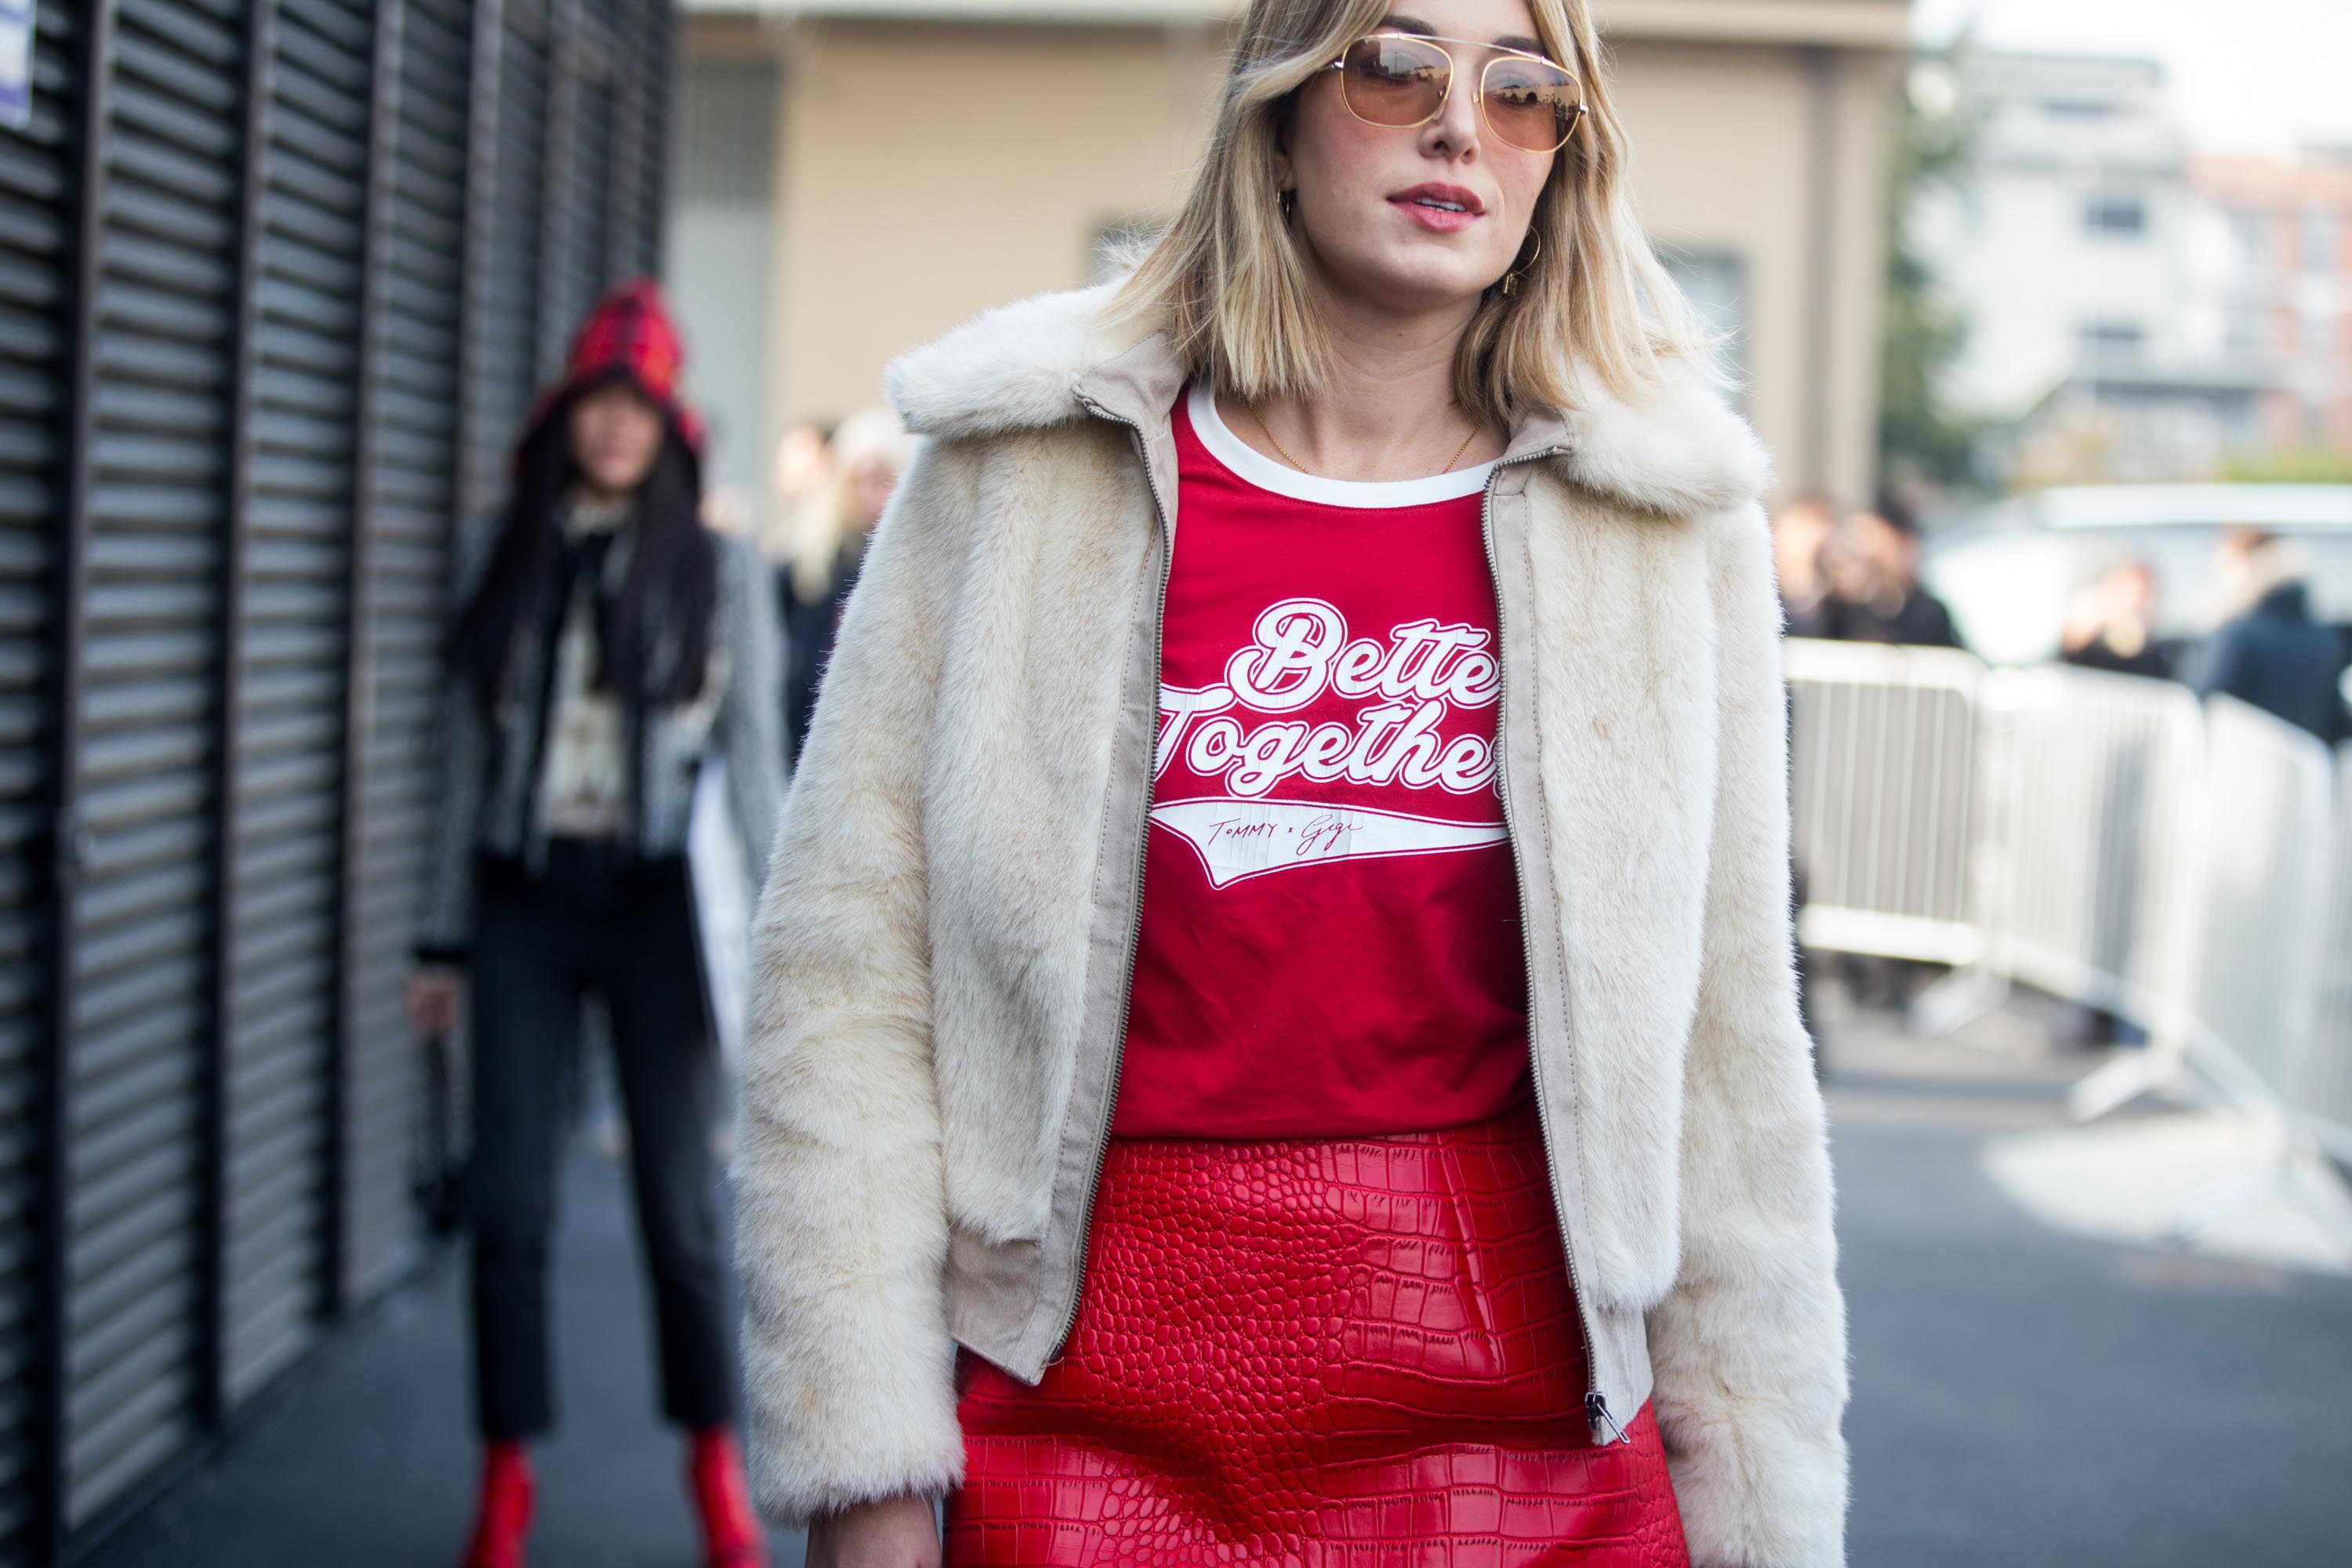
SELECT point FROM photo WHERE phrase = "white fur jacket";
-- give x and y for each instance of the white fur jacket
(946, 933)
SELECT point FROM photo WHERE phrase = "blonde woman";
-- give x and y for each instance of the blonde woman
(862, 466)
(1276, 1036)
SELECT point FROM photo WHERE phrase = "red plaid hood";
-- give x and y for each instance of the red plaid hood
(629, 332)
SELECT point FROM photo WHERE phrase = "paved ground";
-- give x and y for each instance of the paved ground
(2023, 1396)
(2027, 1397)
(368, 1463)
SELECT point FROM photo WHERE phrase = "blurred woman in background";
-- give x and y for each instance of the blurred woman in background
(867, 455)
(802, 469)
(607, 640)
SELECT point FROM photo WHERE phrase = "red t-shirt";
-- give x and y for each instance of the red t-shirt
(1330, 932)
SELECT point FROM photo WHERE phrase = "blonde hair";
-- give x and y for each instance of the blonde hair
(822, 524)
(1229, 282)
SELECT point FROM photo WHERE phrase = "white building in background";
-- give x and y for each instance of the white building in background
(2274, 259)
(2073, 247)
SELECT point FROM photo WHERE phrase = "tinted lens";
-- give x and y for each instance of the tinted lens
(1395, 82)
(1529, 104)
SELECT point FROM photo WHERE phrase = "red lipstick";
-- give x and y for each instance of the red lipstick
(1440, 208)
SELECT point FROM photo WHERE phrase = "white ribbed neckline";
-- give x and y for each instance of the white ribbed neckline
(1254, 467)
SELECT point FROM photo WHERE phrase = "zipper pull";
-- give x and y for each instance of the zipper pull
(1596, 1416)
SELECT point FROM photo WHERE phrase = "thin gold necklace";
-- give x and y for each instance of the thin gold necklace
(1305, 469)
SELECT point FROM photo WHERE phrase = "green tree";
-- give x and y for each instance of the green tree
(1918, 438)
(2290, 465)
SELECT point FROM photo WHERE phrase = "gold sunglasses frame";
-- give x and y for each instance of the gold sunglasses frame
(1453, 71)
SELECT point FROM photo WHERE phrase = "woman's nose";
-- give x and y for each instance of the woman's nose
(1457, 128)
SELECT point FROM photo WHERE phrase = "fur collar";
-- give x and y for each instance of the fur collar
(1679, 450)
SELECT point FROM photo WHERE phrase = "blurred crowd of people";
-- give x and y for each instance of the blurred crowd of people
(1856, 578)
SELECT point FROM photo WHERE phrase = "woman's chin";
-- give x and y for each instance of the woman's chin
(1419, 285)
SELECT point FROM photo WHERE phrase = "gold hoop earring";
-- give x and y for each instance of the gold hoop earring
(1285, 204)
(1511, 279)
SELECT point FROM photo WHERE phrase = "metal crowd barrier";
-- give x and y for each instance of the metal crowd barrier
(2092, 786)
(2268, 824)
(2326, 1092)
(1884, 775)
(2102, 838)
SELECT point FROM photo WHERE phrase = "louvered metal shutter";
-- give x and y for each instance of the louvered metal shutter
(583, 191)
(142, 1144)
(504, 337)
(39, 252)
(657, 29)
(318, 255)
(287, 656)
(589, 263)
(408, 505)
(640, 36)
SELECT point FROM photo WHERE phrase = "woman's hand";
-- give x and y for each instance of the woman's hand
(896, 1533)
(437, 996)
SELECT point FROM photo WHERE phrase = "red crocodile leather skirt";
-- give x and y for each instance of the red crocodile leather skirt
(1358, 1352)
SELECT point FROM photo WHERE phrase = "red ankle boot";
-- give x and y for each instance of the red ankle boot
(730, 1532)
(505, 1516)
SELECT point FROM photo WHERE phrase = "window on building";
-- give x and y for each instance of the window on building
(2112, 216)
(1969, 203)
(2252, 233)
(1716, 284)
(2246, 333)
(2111, 345)
(2318, 336)
(2318, 240)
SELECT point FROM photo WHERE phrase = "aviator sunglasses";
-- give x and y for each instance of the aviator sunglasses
(1403, 79)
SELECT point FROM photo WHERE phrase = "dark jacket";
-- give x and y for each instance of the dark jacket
(1814, 617)
(1918, 620)
(2149, 662)
(490, 763)
(2280, 660)
(809, 629)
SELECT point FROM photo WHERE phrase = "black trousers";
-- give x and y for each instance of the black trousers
(589, 923)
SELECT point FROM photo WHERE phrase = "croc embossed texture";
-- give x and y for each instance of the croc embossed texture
(1358, 1352)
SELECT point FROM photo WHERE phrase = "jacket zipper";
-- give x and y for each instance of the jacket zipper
(1135, 921)
(1596, 1405)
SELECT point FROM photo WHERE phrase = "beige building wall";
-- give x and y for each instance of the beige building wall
(927, 170)
(1776, 155)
